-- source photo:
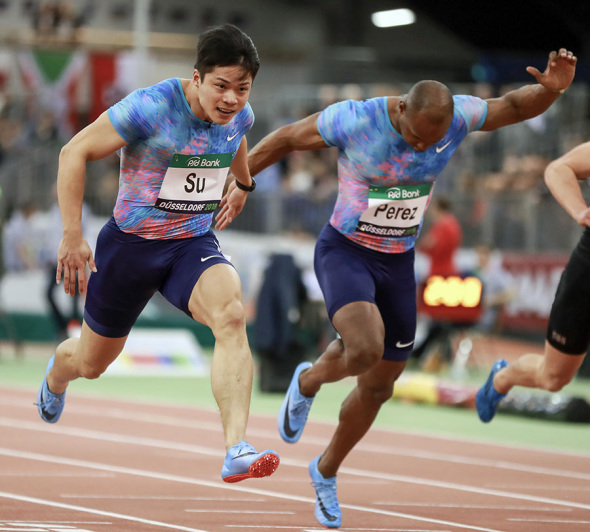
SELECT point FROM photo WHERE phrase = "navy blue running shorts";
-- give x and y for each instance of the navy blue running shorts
(568, 330)
(131, 269)
(348, 272)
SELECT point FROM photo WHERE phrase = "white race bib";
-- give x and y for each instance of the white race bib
(194, 184)
(395, 211)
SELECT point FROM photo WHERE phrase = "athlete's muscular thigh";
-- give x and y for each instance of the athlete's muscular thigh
(216, 297)
(362, 331)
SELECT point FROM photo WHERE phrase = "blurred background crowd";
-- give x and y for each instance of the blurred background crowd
(62, 63)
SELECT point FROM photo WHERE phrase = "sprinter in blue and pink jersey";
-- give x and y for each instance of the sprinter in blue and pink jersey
(390, 152)
(177, 140)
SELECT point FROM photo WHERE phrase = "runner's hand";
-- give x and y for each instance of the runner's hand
(560, 71)
(72, 256)
(231, 205)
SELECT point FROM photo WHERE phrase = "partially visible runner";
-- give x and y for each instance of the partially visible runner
(178, 140)
(390, 152)
(568, 331)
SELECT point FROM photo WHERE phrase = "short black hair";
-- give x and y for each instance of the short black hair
(226, 45)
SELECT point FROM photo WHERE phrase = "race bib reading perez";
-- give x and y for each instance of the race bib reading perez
(394, 211)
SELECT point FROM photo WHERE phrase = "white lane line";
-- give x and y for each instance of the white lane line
(16, 522)
(57, 474)
(105, 436)
(536, 487)
(162, 444)
(258, 512)
(162, 498)
(195, 482)
(53, 504)
(474, 506)
(35, 526)
(120, 413)
(566, 521)
(463, 487)
(479, 462)
(347, 529)
(41, 528)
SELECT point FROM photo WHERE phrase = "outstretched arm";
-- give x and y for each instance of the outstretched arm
(300, 135)
(563, 178)
(532, 100)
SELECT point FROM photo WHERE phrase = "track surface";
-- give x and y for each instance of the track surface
(125, 466)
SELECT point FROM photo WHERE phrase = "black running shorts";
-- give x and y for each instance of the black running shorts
(568, 330)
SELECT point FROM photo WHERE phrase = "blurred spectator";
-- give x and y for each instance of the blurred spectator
(498, 289)
(442, 240)
(20, 240)
(56, 19)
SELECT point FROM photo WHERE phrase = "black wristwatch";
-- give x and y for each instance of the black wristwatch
(246, 188)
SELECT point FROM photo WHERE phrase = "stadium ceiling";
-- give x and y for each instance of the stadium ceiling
(523, 26)
(527, 26)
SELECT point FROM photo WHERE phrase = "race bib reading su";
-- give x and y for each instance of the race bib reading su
(194, 184)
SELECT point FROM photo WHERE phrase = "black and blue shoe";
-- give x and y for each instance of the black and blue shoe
(49, 404)
(295, 408)
(327, 509)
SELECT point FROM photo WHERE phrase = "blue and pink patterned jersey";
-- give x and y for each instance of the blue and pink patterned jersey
(384, 186)
(157, 123)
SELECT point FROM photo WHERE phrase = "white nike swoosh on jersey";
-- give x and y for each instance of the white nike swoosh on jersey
(400, 345)
(203, 259)
(232, 137)
(441, 148)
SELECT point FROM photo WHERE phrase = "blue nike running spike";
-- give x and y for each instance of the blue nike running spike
(50, 405)
(295, 408)
(327, 509)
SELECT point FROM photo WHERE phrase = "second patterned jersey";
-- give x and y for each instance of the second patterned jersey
(384, 185)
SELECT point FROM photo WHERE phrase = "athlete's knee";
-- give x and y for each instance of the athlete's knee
(230, 317)
(554, 381)
(362, 354)
(377, 394)
(91, 369)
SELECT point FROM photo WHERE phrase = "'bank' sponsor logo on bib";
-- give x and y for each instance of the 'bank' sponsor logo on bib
(198, 162)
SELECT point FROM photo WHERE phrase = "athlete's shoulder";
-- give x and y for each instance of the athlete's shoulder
(466, 104)
(355, 112)
(370, 105)
(154, 95)
(244, 119)
(247, 113)
(164, 91)
(135, 116)
(470, 109)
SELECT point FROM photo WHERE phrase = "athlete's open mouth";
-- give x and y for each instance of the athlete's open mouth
(224, 112)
